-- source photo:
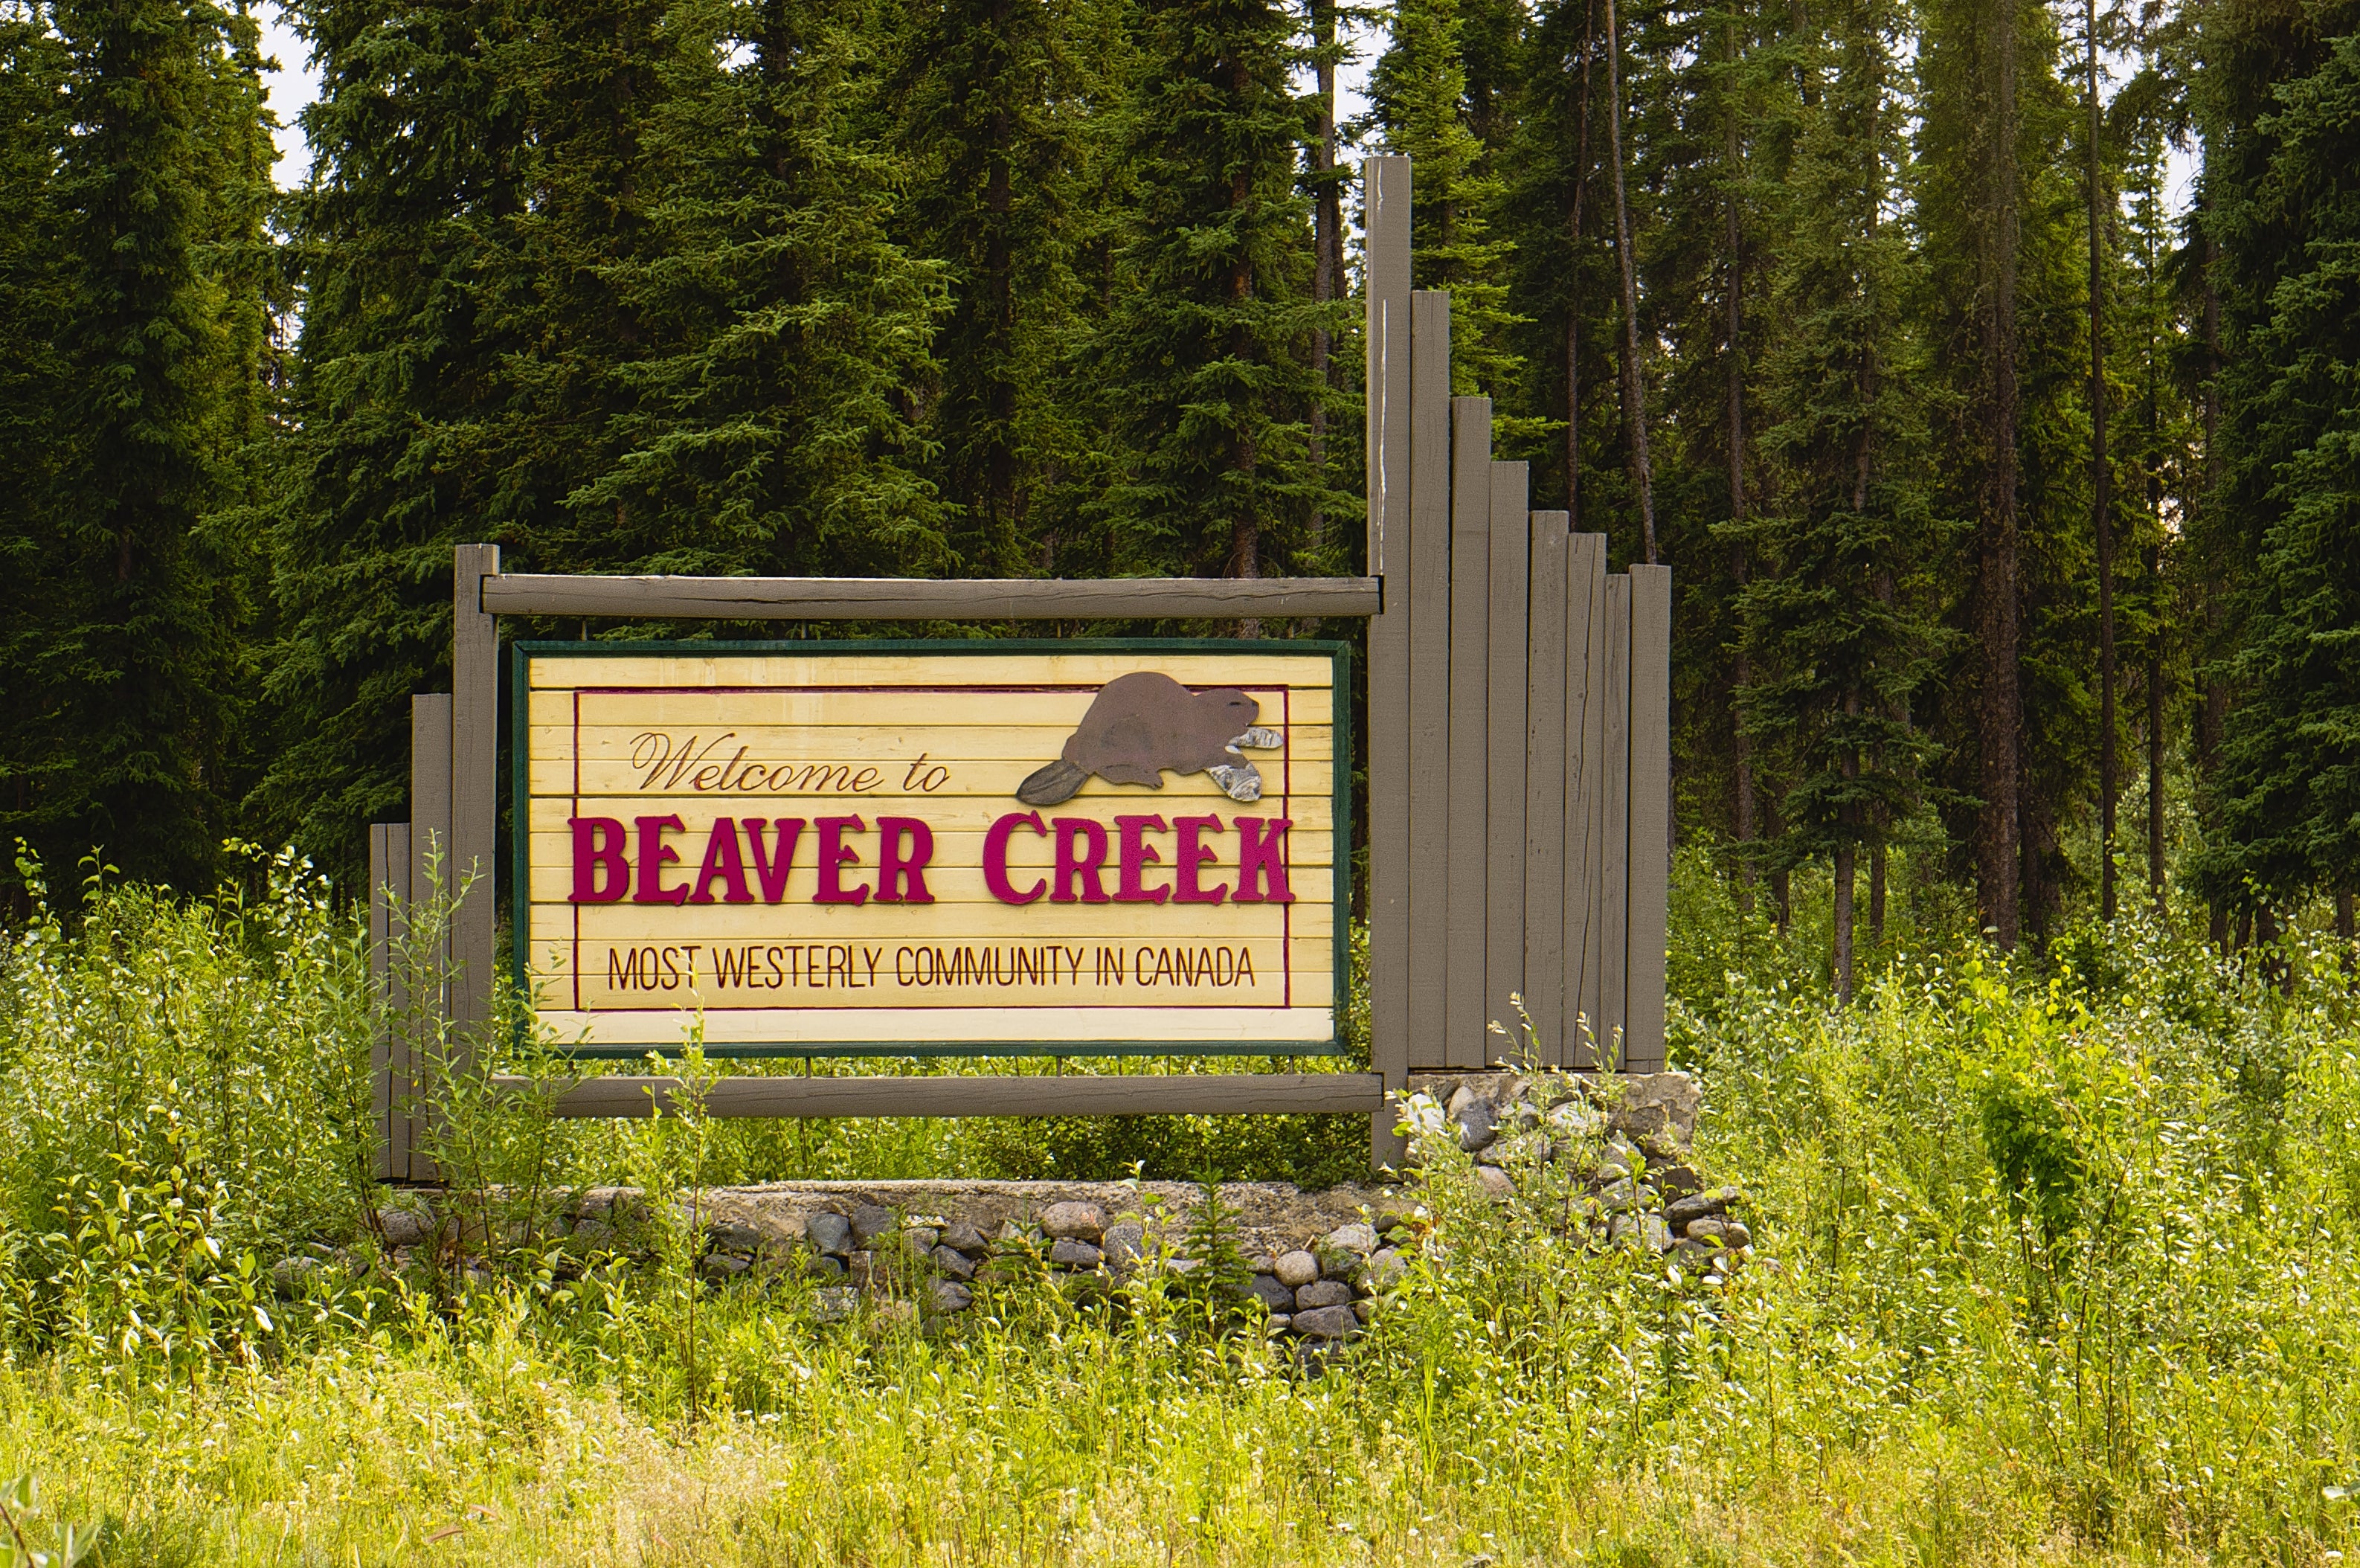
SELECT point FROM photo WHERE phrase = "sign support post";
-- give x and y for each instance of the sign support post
(1388, 278)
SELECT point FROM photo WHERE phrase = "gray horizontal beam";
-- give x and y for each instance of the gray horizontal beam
(928, 598)
(1144, 1094)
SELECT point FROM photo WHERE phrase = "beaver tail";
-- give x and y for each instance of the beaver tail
(1052, 785)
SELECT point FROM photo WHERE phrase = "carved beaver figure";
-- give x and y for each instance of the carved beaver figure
(1143, 724)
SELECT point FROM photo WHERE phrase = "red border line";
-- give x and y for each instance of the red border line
(527, 831)
(1286, 808)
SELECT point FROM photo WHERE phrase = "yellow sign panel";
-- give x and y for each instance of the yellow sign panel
(1128, 844)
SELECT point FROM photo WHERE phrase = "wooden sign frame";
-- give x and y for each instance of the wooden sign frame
(1336, 655)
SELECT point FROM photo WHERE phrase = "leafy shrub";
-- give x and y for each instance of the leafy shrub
(186, 1087)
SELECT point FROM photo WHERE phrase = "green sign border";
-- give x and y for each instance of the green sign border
(1338, 654)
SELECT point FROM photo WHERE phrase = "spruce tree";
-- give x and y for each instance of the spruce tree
(2288, 215)
(1720, 134)
(1419, 101)
(992, 95)
(36, 666)
(419, 167)
(612, 285)
(1559, 271)
(1205, 359)
(2002, 302)
(144, 602)
(1832, 623)
(770, 424)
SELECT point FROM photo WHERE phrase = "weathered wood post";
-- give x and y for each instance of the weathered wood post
(1389, 447)
(429, 864)
(1464, 1040)
(1427, 964)
(1651, 815)
(474, 783)
(449, 838)
(389, 868)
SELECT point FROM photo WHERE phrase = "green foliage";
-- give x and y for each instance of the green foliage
(996, 109)
(1834, 620)
(63, 1543)
(2036, 1257)
(1419, 98)
(1205, 357)
(617, 289)
(188, 1089)
(2289, 780)
(1956, 215)
(135, 271)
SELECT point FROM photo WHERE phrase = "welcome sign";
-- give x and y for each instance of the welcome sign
(933, 845)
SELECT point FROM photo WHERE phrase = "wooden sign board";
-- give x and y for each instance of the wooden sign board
(933, 846)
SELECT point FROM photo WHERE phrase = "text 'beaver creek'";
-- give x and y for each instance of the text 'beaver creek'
(748, 860)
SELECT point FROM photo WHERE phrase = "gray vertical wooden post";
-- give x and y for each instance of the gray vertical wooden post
(1390, 459)
(1464, 1040)
(475, 785)
(1585, 806)
(1545, 792)
(1615, 768)
(1503, 917)
(388, 931)
(1429, 675)
(380, 929)
(430, 873)
(1650, 820)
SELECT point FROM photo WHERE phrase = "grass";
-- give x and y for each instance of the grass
(2056, 1264)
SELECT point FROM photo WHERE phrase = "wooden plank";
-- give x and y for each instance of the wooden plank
(1386, 255)
(474, 789)
(1614, 761)
(1585, 808)
(1650, 816)
(401, 869)
(380, 919)
(1504, 920)
(925, 599)
(911, 682)
(610, 766)
(1272, 1030)
(1429, 688)
(1067, 1094)
(430, 853)
(1464, 1040)
(1544, 792)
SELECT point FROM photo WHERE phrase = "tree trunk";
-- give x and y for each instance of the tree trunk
(1742, 671)
(1876, 858)
(2101, 481)
(2154, 845)
(1573, 305)
(2155, 747)
(2265, 936)
(1843, 926)
(1326, 239)
(1847, 858)
(2213, 698)
(1635, 387)
(2000, 719)
(2043, 895)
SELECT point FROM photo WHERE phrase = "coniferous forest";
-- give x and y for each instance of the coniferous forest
(1983, 371)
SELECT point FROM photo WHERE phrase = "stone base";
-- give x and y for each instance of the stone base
(1271, 1217)
(1656, 1110)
